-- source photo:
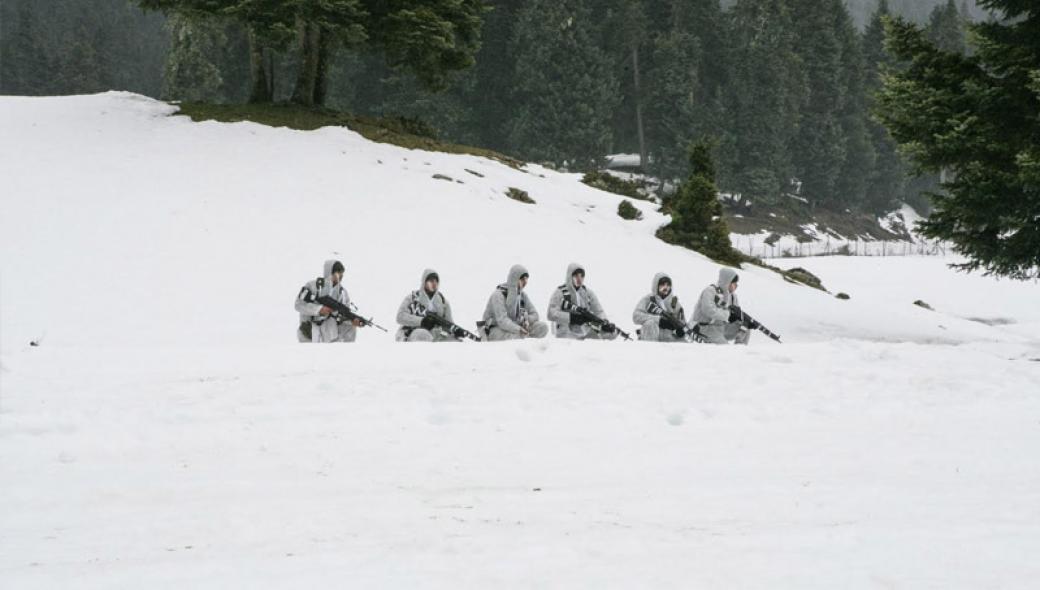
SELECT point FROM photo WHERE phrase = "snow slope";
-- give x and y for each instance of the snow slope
(169, 432)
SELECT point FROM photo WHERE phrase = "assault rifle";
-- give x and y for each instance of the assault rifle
(587, 317)
(737, 315)
(689, 334)
(344, 313)
(451, 327)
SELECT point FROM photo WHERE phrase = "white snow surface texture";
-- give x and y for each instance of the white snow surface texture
(169, 432)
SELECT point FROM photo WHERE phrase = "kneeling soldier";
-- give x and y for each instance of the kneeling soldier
(417, 310)
(659, 314)
(509, 314)
(316, 325)
(570, 306)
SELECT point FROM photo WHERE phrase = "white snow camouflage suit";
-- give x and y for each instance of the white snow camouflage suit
(647, 313)
(712, 312)
(578, 297)
(322, 328)
(509, 308)
(413, 309)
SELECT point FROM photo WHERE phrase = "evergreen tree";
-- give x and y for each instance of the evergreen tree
(818, 150)
(887, 177)
(764, 96)
(697, 221)
(687, 70)
(975, 117)
(946, 28)
(190, 75)
(429, 38)
(565, 90)
(24, 56)
(676, 113)
(860, 157)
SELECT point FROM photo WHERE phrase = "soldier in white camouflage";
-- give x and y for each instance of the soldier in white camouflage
(660, 316)
(509, 314)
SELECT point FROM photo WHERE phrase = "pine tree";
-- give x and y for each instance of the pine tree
(190, 74)
(946, 28)
(860, 157)
(697, 221)
(818, 149)
(887, 177)
(565, 90)
(428, 38)
(676, 113)
(974, 117)
(763, 100)
(686, 71)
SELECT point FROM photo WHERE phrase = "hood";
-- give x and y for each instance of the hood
(726, 276)
(327, 272)
(515, 273)
(425, 274)
(657, 279)
(571, 268)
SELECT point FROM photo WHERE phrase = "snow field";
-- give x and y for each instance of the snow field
(169, 432)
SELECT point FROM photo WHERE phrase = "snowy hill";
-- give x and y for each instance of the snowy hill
(169, 432)
(140, 215)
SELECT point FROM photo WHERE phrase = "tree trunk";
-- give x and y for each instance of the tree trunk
(260, 90)
(321, 83)
(639, 108)
(306, 80)
(269, 57)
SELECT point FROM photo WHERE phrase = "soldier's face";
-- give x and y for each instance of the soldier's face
(578, 278)
(336, 278)
(431, 285)
(664, 289)
(733, 287)
(522, 282)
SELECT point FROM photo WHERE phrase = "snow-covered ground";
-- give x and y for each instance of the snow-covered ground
(169, 433)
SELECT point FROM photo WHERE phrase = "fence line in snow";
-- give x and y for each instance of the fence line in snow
(830, 247)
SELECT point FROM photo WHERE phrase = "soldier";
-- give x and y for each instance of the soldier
(417, 325)
(509, 314)
(659, 314)
(317, 322)
(718, 311)
(575, 294)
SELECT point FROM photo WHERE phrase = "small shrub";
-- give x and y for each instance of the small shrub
(843, 296)
(800, 275)
(626, 210)
(612, 184)
(443, 177)
(920, 303)
(519, 195)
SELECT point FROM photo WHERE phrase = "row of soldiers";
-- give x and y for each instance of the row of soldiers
(327, 315)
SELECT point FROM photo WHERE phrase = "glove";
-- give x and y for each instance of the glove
(458, 332)
(428, 323)
(665, 323)
(576, 319)
(680, 332)
(735, 313)
(609, 328)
